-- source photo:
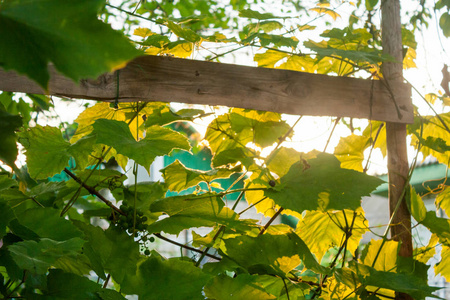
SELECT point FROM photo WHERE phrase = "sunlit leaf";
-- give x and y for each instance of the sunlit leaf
(443, 267)
(425, 253)
(350, 151)
(322, 231)
(386, 257)
(269, 58)
(444, 23)
(408, 60)
(252, 14)
(320, 184)
(178, 177)
(158, 141)
(48, 153)
(433, 129)
(326, 11)
(164, 115)
(184, 33)
(416, 206)
(71, 26)
(443, 200)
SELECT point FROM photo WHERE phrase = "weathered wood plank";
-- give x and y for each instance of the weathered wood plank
(167, 79)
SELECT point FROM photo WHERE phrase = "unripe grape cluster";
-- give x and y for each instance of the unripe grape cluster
(126, 221)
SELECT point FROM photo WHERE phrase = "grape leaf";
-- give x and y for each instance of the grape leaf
(252, 14)
(195, 211)
(37, 257)
(62, 285)
(443, 267)
(241, 287)
(386, 258)
(350, 151)
(405, 283)
(178, 177)
(271, 254)
(30, 41)
(322, 231)
(158, 141)
(443, 200)
(320, 184)
(48, 153)
(166, 279)
(47, 223)
(8, 148)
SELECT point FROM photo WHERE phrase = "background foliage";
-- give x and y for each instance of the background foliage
(62, 238)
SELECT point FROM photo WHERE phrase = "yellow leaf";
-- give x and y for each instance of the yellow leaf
(408, 60)
(286, 263)
(326, 11)
(269, 58)
(433, 128)
(374, 132)
(443, 200)
(423, 254)
(322, 231)
(387, 257)
(216, 185)
(350, 151)
(181, 50)
(431, 98)
(418, 209)
(443, 267)
(300, 63)
(143, 32)
(153, 51)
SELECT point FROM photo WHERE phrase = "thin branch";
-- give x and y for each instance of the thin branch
(271, 221)
(93, 191)
(331, 133)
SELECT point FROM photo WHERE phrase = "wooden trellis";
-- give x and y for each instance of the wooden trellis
(168, 79)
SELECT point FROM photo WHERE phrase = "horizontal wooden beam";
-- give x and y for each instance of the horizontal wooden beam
(168, 79)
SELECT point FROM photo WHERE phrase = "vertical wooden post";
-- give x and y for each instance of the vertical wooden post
(395, 132)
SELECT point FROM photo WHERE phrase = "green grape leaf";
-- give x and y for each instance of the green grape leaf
(444, 23)
(47, 223)
(350, 151)
(271, 254)
(386, 258)
(195, 211)
(322, 231)
(145, 193)
(410, 284)
(416, 206)
(100, 178)
(112, 250)
(241, 287)
(320, 184)
(362, 55)
(71, 26)
(252, 14)
(277, 40)
(8, 148)
(158, 141)
(184, 33)
(37, 257)
(48, 153)
(6, 215)
(178, 177)
(166, 279)
(265, 26)
(6, 182)
(62, 285)
(164, 115)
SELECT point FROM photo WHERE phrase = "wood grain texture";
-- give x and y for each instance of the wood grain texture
(167, 79)
(397, 154)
